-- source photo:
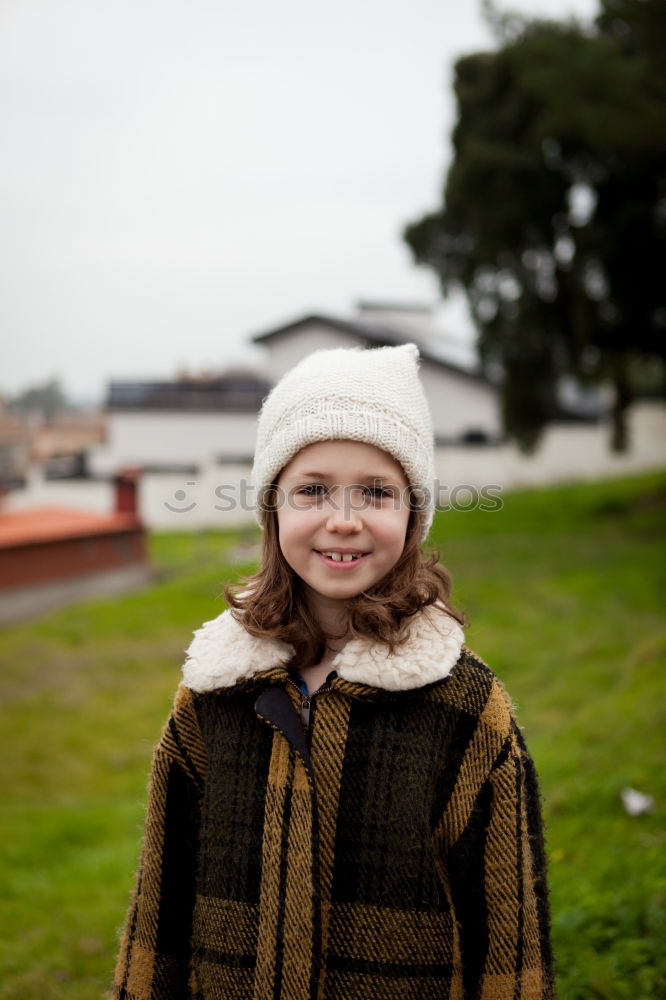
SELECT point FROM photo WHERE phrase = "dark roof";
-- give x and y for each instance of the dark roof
(238, 391)
(371, 335)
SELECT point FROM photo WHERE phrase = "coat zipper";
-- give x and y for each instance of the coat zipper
(306, 702)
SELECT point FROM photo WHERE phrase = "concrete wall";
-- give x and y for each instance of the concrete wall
(215, 497)
(219, 497)
(92, 496)
(568, 452)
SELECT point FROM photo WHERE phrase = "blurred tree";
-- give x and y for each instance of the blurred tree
(45, 399)
(554, 209)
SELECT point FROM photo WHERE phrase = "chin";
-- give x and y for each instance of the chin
(346, 593)
(341, 589)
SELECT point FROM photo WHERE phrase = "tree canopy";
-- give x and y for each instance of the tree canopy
(553, 218)
(45, 399)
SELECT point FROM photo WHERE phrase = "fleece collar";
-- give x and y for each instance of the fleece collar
(223, 654)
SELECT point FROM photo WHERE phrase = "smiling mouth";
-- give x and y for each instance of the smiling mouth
(345, 558)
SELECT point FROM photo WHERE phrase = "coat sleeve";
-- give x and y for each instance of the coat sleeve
(154, 955)
(497, 871)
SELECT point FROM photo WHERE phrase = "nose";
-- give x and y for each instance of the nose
(343, 519)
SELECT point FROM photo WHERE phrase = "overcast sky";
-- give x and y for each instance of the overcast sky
(178, 175)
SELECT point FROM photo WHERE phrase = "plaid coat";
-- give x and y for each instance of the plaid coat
(392, 850)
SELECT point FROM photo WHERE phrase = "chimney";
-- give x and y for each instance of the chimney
(408, 319)
(126, 492)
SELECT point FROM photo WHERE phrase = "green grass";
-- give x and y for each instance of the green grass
(563, 592)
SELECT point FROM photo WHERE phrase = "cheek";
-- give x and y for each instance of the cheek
(392, 533)
(294, 528)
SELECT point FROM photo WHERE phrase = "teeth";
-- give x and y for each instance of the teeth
(342, 557)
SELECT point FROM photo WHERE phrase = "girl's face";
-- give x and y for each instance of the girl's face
(336, 499)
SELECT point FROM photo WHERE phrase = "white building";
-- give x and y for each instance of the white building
(463, 403)
(178, 427)
(182, 426)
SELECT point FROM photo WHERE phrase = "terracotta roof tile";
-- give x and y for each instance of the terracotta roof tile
(46, 524)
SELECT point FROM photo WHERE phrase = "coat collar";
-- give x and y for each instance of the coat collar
(222, 654)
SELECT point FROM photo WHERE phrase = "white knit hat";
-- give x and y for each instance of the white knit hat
(373, 396)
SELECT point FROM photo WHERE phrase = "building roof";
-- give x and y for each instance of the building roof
(372, 335)
(236, 391)
(49, 524)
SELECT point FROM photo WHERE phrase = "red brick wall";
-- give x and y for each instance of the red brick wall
(22, 565)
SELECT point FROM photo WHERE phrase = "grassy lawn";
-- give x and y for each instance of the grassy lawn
(562, 589)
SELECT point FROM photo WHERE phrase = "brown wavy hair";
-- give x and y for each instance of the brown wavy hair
(270, 604)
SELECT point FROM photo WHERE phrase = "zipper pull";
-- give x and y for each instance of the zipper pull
(305, 711)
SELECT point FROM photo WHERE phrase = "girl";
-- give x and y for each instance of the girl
(341, 806)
